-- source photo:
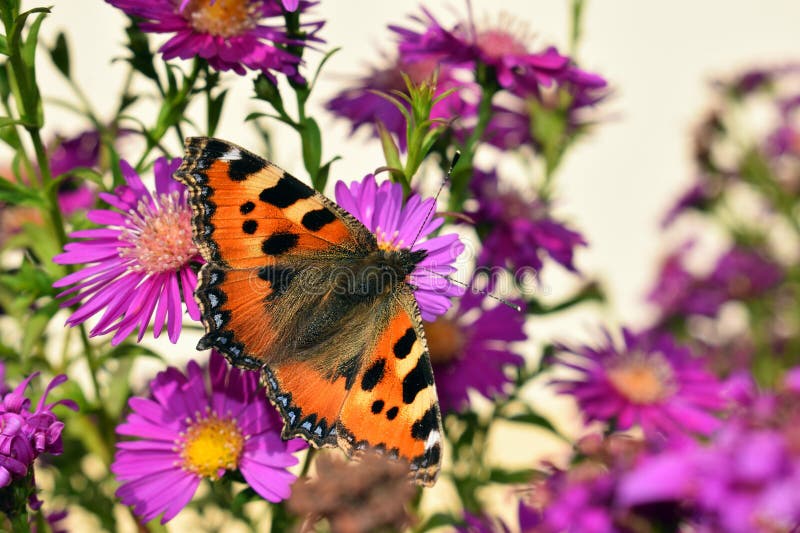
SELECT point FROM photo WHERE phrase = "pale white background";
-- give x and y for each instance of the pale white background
(615, 186)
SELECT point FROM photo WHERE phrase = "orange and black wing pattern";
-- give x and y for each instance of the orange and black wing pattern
(387, 403)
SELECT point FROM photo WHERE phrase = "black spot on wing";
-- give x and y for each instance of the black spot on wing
(285, 193)
(240, 169)
(317, 219)
(215, 148)
(404, 344)
(391, 414)
(417, 380)
(249, 226)
(279, 243)
(373, 375)
(377, 406)
(278, 278)
(247, 207)
(423, 427)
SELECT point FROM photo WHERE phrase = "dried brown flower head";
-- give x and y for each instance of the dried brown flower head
(355, 496)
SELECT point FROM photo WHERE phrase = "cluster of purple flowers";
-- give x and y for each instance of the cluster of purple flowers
(26, 433)
(471, 59)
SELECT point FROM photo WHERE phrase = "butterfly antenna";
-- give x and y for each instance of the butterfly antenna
(472, 288)
(445, 181)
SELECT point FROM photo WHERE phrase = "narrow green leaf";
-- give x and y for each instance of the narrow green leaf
(14, 194)
(29, 49)
(511, 477)
(312, 146)
(215, 106)
(324, 173)
(3, 45)
(60, 55)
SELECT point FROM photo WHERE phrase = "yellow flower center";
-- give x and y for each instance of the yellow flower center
(162, 240)
(388, 242)
(223, 18)
(445, 340)
(210, 445)
(642, 379)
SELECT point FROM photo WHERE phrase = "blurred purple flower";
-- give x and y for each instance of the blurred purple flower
(82, 150)
(649, 381)
(186, 432)
(744, 480)
(25, 434)
(739, 273)
(54, 522)
(140, 263)
(698, 197)
(470, 350)
(481, 524)
(396, 224)
(520, 231)
(229, 34)
(361, 106)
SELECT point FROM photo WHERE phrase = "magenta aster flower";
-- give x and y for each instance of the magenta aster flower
(82, 150)
(397, 225)
(25, 434)
(139, 264)
(471, 349)
(362, 106)
(519, 232)
(650, 382)
(229, 34)
(186, 432)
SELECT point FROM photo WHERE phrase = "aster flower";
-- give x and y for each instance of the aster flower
(83, 150)
(470, 350)
(186, 432)
(396, 224)
(520, 232)
(140, 263)
(26, 434)
(744, 480)
(371, 494)
(229, 34)
(360, 104)
(649, 381)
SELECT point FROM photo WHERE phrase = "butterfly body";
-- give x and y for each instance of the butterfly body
(296, 287)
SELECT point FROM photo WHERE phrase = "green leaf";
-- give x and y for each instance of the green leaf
(35, 325)
(215, 111)
(29, 49)
(438, 520)
(322, 64)
(142, 58)
(14, 194)
(534, 419)
(511, 477)
(3, 45)
(312, 147)
(269, 92)
(29, 279)
(324, 173)
(8, 121)
(60, 55)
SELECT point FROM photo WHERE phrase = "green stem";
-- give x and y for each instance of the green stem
(307, 461)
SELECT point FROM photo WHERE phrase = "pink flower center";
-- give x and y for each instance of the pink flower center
(497, 43)
(222, 18)
(161, 237)
(642, 379)
(211, 445)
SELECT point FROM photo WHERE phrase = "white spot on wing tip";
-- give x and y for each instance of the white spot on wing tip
(232, 155)
(433, 438)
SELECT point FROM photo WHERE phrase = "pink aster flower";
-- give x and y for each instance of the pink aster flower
(139, 264)
(26, 433)
(186, 432)
(471, 349)
(229, 34)
(650, 382)
(398, 225)
(360, 104)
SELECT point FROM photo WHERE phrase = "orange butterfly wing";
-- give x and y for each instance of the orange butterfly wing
(249, 219)
(389, 404)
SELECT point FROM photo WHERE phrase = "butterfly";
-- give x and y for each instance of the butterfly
(296, 287)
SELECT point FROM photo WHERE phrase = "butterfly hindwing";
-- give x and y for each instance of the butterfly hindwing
(392, 404)
(248, 212)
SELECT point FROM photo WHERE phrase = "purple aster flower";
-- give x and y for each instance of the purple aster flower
(229, 34)
(649, 381)
(82, 150)
(744, 480)
(520, 232)
(744, 273)
(25, 434)
(481, 524)
(470, 350)
(139, 264)
(699, 196)
(54, 522)
(362, 106)
(186, 432)
(397, 225)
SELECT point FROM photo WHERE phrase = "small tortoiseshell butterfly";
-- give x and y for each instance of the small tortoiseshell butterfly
(297, 287)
